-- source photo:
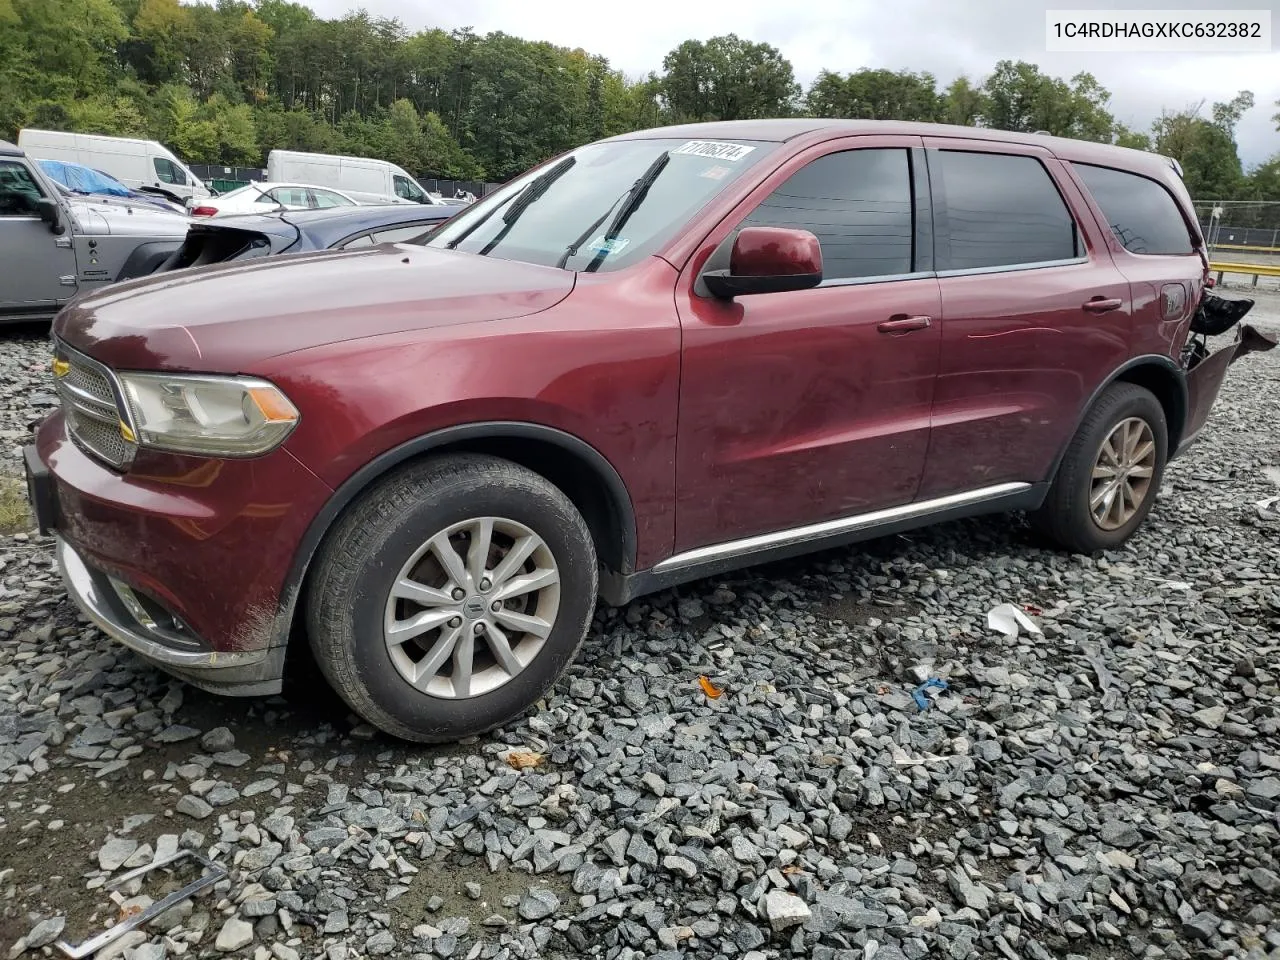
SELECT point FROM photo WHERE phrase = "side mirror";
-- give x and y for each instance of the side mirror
(51, 214)
(768, 260)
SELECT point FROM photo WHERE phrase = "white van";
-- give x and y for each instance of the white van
(362, 178)
(141, 164)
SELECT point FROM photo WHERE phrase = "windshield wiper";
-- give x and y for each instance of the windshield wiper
(518, 205)
(526, 199)
(572, 249)
(634, 197)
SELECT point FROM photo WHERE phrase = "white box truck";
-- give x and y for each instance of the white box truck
(363, 178)
(141, 164)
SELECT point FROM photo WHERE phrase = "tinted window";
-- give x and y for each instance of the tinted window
(857, 203)
(1142, 214)
(364, 240)
(1000, 211)
(18, 191)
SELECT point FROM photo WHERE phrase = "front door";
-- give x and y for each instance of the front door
(806, 406)
(37, 268)
(170, 177)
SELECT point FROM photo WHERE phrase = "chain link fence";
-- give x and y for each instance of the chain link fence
(1249, 226)
(1245, 233)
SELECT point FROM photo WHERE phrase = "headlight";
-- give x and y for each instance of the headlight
(209, 416)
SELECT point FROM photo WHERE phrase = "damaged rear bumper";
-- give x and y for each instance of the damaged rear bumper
(1206, 372)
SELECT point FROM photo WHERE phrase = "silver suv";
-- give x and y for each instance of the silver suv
(55, 244)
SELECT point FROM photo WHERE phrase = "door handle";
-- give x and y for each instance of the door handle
(904, 324)
(1102, 305)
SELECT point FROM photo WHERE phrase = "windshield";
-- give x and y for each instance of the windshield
(247, 190)
(99, 182)
(602, 206)
(83, 179)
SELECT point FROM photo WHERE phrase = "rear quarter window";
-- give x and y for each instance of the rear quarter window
(1142, 214)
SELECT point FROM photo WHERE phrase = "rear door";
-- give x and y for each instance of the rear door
(806, 406)
(1034, 313)
(37, 268)
(1154, 247)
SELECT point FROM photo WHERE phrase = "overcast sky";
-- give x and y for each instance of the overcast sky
(946, 37)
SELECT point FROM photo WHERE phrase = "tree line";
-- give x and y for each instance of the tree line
(227, 83)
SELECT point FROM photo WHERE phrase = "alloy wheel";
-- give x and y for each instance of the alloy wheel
(1122, 472)
(472, 607)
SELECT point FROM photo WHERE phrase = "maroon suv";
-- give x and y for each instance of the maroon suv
(655, 358)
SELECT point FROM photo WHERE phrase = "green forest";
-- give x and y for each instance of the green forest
(227, 83)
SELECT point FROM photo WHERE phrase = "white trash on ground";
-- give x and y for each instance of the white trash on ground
(1010, 621)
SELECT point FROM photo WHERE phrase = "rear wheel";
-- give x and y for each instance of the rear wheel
(1109, 477)
(451, 597)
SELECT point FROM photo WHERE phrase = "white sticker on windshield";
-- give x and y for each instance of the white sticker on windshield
(713, 149)
(608, 246)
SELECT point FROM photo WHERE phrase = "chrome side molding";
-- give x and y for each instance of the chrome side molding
(833, 528)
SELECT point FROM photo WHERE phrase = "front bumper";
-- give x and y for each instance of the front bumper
(181, 559)
(117, 611)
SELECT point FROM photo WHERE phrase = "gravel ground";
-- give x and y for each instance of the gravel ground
(1109, 788)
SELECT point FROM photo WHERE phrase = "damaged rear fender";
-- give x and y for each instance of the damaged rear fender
(1206, 372)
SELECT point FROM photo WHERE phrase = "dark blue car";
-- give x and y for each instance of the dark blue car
(297, 231)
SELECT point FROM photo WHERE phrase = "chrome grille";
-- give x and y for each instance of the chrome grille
(89, 404)
(100, 439)
(91, 381)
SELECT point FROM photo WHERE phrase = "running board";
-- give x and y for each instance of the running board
(734, 554)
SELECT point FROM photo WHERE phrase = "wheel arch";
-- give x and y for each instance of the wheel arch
(1154, 372)
(585, 476)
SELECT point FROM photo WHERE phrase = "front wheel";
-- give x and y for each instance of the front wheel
(1110, 474)
(451, 596)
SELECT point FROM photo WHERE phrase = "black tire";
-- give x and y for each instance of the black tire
(361, 556)
(1065, 516)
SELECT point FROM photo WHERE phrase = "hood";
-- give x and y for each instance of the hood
(120, 216)
(227, 318)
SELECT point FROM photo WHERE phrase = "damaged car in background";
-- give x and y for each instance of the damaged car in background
(57, 244)
(659, 357)
(249, 236)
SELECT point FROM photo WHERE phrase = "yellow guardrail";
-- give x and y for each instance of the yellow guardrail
(1245, 246)
(1255, 270)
